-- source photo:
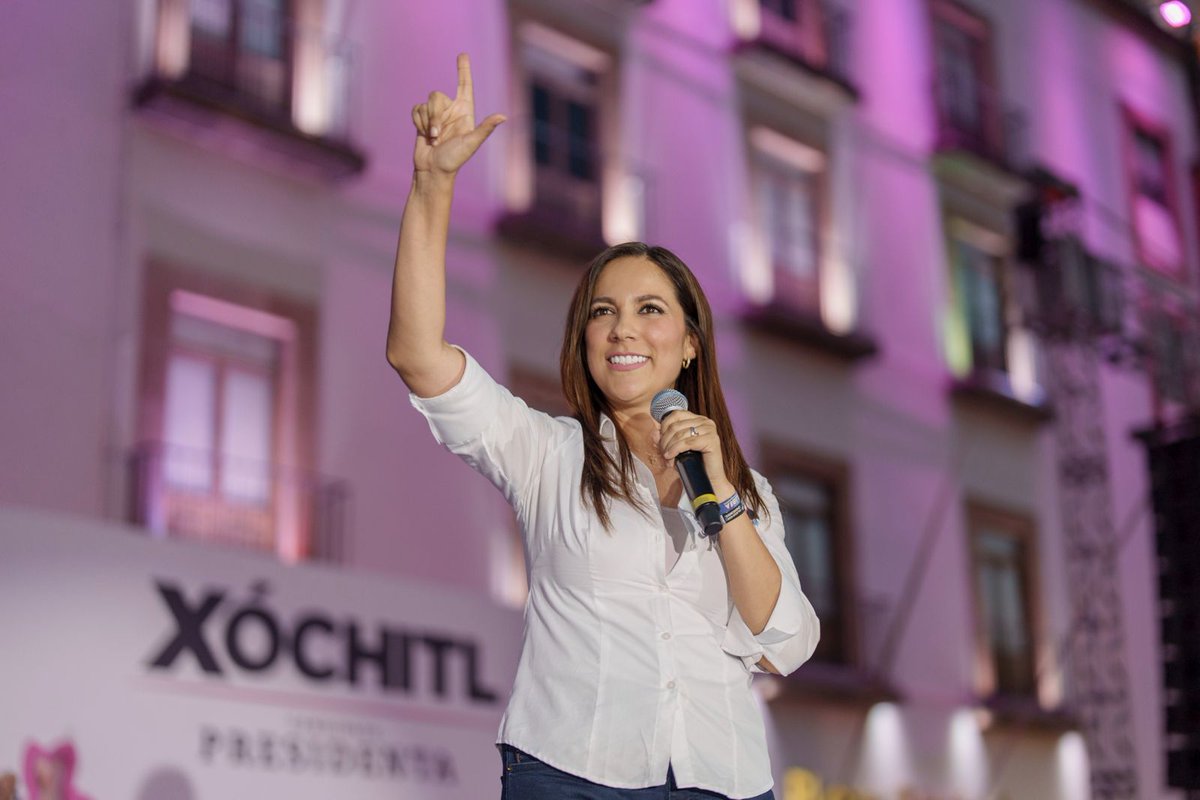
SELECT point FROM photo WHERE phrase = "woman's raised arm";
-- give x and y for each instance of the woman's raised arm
(447, 137)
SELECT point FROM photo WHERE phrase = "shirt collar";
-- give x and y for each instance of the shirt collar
(608, 428)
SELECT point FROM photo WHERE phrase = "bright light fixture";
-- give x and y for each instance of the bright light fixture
(1175, 13)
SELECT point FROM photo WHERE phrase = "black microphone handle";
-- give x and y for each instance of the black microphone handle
(690, 465)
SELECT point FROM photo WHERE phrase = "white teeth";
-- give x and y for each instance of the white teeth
(627, 359)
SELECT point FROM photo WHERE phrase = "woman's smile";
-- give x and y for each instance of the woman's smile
(627, 362)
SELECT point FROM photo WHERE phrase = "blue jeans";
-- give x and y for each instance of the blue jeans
(526, 778)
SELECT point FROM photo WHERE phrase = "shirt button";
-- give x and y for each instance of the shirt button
(670, 684)
(666, 636)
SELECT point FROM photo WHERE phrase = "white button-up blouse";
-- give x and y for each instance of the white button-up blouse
(625, 668)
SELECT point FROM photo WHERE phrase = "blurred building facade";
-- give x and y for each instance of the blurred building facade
(951, 248)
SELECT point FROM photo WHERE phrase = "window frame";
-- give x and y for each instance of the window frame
(1134, 123)
(778, 461)
(789, 290)
(294, 412)
(988, 141)
(958, 229)
(1021, 526)
(522, 181)
(222, 366)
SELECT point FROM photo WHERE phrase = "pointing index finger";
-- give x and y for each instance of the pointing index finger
(465, 90)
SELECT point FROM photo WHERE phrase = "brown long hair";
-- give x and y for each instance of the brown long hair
(606, 478)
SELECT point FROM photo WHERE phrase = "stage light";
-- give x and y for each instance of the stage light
(1175, 13)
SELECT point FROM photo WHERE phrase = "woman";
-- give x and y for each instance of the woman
(641, 634)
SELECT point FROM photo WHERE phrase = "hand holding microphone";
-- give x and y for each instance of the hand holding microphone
(693, 442)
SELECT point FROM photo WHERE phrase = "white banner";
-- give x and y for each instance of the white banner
(182, 672)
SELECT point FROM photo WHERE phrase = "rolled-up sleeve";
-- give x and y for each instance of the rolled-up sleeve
(793, 630)
(496, 433)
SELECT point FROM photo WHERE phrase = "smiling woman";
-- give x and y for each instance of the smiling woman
(640, 633)
(639, 323)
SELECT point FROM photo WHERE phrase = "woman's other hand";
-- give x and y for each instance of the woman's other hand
(682, 431)
(446, 131)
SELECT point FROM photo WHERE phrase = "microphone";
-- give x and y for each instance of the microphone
(690, 466)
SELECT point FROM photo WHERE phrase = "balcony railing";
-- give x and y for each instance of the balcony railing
(1073, 293)
(987, 129)
(191, 493)
(274, 85)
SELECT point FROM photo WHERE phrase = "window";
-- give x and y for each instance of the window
(812, 498)
(219, 415)
(1173, 363)
(990, 349)
(966, 97)
(225, 452)
(282, 68)
(1153, 206)
(978, 280)
(243, 46)
(1003, 575)
(789, 185)
(1149, 167)
(563, 79)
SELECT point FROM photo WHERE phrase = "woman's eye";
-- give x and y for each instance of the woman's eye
(598, 310)
(651, 307)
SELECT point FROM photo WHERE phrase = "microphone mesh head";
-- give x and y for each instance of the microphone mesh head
(665, 402)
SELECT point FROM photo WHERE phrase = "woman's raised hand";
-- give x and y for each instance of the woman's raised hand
(446, 131)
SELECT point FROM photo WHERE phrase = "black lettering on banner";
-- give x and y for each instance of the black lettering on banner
(399, 664)
(438, 646)
(357, 652)
(208, 743)
(313, 622)
(255, 637)
(234, 644)
(188, 628)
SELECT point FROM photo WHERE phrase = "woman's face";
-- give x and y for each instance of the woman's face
(636, 333)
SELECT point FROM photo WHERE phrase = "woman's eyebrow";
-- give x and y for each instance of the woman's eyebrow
(640, 299)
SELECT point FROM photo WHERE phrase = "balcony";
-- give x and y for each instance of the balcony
(270, 85)
(215, 498)
(806, 60)
(806, 328)
(815, 38)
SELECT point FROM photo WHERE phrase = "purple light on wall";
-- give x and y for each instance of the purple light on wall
(1175, 13)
